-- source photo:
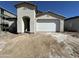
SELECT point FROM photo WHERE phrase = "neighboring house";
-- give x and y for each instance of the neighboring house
(7, 20)
(29, 19)
(72, 24)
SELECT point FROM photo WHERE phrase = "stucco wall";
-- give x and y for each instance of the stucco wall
(25, 11)
(46, 16)
(61, 25)
(72, 24)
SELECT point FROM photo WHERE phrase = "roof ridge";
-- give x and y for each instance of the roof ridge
(55, 13)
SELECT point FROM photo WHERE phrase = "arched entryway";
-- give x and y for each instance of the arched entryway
(26, 24)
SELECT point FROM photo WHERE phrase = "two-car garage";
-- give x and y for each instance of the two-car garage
(49, 23)
(46, 27)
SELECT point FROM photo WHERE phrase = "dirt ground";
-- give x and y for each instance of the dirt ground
(38, 45)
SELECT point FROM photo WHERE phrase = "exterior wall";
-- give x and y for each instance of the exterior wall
(72, 24)
(25, 11)
(61, 25)
(11, 22)
(9, 14)
(0, 20)
(46, 17)
(67, 25)
(59, 22)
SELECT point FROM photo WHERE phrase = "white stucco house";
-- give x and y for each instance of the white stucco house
(29, 19)
(72, 24)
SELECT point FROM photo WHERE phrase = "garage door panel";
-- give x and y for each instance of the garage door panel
(46, 27)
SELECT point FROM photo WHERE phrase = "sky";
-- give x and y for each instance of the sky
(65, 8)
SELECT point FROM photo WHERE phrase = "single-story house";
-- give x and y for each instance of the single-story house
(29, 19)
(72, 24)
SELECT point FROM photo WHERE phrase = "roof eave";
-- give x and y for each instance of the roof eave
(24, 3)
(51, 14)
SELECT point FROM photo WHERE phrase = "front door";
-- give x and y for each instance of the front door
(26, 24)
